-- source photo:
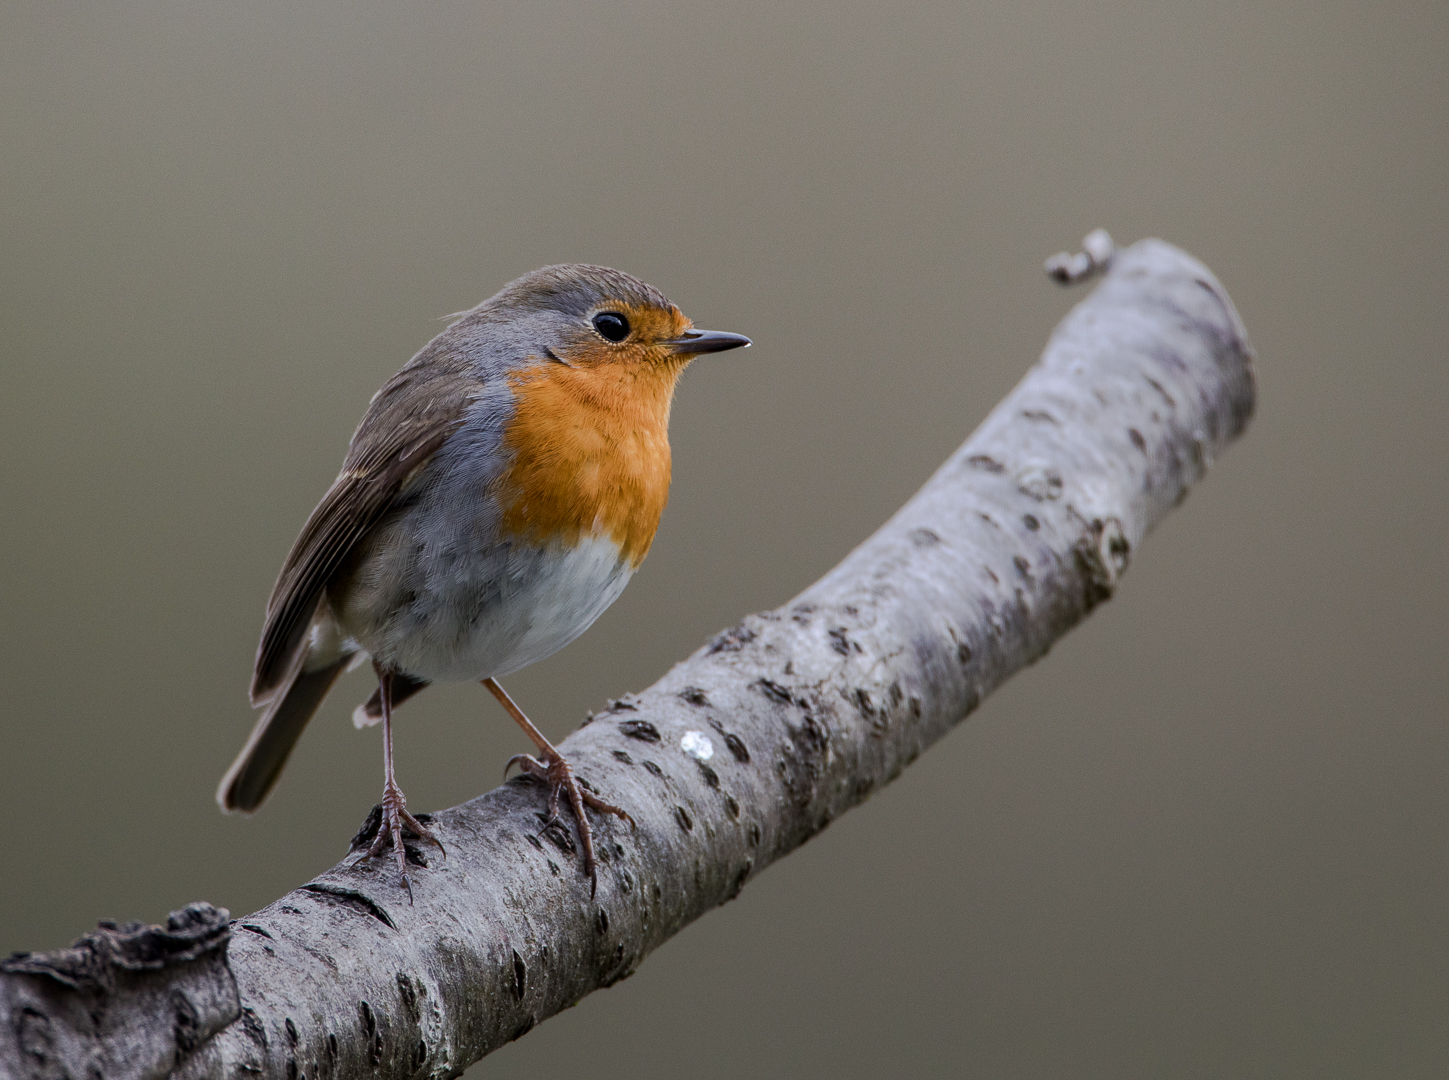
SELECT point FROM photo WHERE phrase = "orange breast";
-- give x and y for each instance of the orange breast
(590, 454)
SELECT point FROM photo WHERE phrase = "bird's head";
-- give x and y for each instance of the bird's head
(594, 317)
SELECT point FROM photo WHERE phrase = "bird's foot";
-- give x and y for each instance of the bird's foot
(556, 772)
(393, 820)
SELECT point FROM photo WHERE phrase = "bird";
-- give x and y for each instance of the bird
(497, 496)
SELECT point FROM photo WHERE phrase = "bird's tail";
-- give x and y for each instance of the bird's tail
(370, 711)
(249, 780)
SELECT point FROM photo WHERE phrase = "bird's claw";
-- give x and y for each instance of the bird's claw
(395, 818)
(556, 772)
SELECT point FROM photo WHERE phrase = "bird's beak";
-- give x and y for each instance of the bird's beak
(693, 342)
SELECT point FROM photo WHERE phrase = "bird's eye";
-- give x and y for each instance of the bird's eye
(612, 325)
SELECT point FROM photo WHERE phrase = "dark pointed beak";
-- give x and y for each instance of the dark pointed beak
(694, 342)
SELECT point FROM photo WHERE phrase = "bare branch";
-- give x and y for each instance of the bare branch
(736, 757)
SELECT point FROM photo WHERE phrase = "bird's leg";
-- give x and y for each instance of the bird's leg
(394, 805)
(559, 776)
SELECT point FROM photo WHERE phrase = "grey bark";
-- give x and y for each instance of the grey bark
(734, 758)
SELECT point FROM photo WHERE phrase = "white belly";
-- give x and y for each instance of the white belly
(490, 615)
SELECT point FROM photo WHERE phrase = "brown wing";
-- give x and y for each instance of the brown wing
(407, 421)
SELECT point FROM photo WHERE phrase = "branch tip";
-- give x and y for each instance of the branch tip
(1095, 257)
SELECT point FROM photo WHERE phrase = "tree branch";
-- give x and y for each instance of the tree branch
(736, 757)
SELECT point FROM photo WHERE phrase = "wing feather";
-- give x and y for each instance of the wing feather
(408, 420)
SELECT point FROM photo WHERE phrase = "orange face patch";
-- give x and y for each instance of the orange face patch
(590, 441)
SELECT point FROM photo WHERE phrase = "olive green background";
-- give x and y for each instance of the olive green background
(1208, 836)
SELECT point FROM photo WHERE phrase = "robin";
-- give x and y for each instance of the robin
(499, 493)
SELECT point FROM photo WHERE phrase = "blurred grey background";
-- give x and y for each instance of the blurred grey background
(1208, 836)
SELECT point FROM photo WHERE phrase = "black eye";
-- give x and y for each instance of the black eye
(612, 325)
